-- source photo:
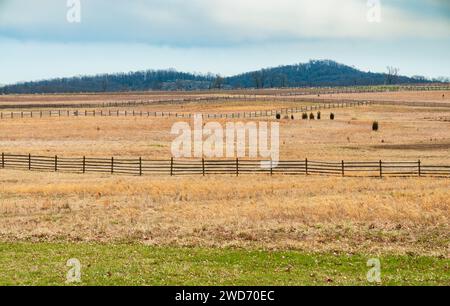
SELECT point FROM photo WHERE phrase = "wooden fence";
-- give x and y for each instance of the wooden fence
(135, 113)
(365, 89)
(171, 167)
(110, 104)
(248, 96)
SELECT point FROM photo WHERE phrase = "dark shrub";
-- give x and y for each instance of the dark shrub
(318, 115)
(278, 116)
(311, 116)
(375, 126)
(292, 117)
(305, 116)
(331, 116)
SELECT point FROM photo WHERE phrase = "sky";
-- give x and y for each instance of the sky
(61, 38)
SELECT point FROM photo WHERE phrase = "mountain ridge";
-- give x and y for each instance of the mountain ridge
(315, 73)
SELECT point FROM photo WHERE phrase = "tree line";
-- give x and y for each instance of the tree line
(311, 74)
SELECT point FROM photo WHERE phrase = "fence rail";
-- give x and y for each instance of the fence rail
(265, 95)
(171, 167)
(134, 113)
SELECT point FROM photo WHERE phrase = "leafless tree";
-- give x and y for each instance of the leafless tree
(392, 75)
(263, 78)
(283, 80)
(218, 82)
(257, 79)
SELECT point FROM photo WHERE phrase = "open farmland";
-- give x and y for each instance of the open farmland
(435, 96)
(406, 133)
(332, 215)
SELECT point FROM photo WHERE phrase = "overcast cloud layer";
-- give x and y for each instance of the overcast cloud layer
(220, 22)
(215, 26)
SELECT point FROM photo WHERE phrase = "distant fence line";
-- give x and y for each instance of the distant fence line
(412, 103)
(134, 113)
(440, 118)
(112, 104)
(236, 167)
(345, 90)
(135, 103)
(260, 96)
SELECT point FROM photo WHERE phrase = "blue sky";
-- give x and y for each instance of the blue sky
(219, 36)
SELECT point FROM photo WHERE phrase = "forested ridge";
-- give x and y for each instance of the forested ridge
(311, 74)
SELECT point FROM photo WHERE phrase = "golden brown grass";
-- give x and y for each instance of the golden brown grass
(442, 96)
(314, 213)
(404, 134)
(102, 97)
(396, 215)
(205, 107)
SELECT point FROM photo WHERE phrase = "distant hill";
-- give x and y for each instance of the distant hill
(314, 74)
(133, 81)
(311, 74)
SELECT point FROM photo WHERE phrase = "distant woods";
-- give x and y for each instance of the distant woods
(392, 75)
(311, 74)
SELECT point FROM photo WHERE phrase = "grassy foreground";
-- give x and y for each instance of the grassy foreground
(135, 264)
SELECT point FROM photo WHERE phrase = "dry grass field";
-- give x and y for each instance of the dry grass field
(404, 134)
(391, 215)
(406, 96)
(319, 214)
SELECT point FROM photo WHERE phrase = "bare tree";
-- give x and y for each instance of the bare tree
(105, 83)
(257, 79)
(283, 80)
(264, 76)
(273, 80)
(218, 82)
(392, 75)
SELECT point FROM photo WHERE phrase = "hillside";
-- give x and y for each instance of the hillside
(311, 74)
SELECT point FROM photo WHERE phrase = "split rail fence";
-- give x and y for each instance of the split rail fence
(135, 113)
(171, 167)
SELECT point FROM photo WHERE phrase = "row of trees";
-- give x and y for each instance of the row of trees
(311, 74)
(318, 73)
(133, 81)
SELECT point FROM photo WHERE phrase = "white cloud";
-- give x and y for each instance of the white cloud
(212, 22)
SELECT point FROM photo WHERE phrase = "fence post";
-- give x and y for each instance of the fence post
(112, 165)
(84, 164)
(271, 167)
(343, 168)
(56, 163)
(29, 161)
(306, 166)
(419, 164)
(140, 166)
(237, 166)
(171, 166)
(3, 160)
(381, 169)
(203, 166)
